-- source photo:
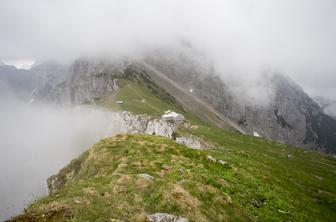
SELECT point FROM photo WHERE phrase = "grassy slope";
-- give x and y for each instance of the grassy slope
(144, 98)
(273, 175)
(270, 176)
(108, 186)
(265, 180)
(138, 99)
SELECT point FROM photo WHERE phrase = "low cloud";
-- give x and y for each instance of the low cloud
(38, 140)
(242, 37)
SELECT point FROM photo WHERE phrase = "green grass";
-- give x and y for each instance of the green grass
(267, 182)
(139, 99)
(282, 177)
(264, 180)
(260, 183)
(108, 186)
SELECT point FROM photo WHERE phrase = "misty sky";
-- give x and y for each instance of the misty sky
(243, 37)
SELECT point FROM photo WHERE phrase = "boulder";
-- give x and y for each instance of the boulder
(164, 217)
(190, 141)
(211, 158)
(161, 128)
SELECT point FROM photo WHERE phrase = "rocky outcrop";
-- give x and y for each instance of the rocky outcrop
(146, 124)
(66, 174)
(167, 128)
(54, 183)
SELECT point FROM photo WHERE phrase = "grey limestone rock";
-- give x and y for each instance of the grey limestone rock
(164, 217)
(191, 141)
(146, 124)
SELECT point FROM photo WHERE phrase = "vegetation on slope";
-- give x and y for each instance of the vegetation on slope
(305, 181)
(104, 183)
(141, 95)
(273, 178)
(262, 180)
(139, 99)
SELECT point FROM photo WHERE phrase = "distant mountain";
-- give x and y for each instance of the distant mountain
(23, 82)
(16, 80)
(290, 117)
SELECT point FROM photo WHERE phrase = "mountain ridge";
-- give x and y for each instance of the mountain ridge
(291, 117)
(242, 178)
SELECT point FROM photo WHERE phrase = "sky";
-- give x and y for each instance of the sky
(242, 37)
(19, 63)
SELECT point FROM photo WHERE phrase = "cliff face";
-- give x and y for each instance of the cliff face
(291, 116)
(23, 83)
(86, 81)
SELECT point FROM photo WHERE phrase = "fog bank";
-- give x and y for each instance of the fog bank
(243, 37)
(37, 141)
